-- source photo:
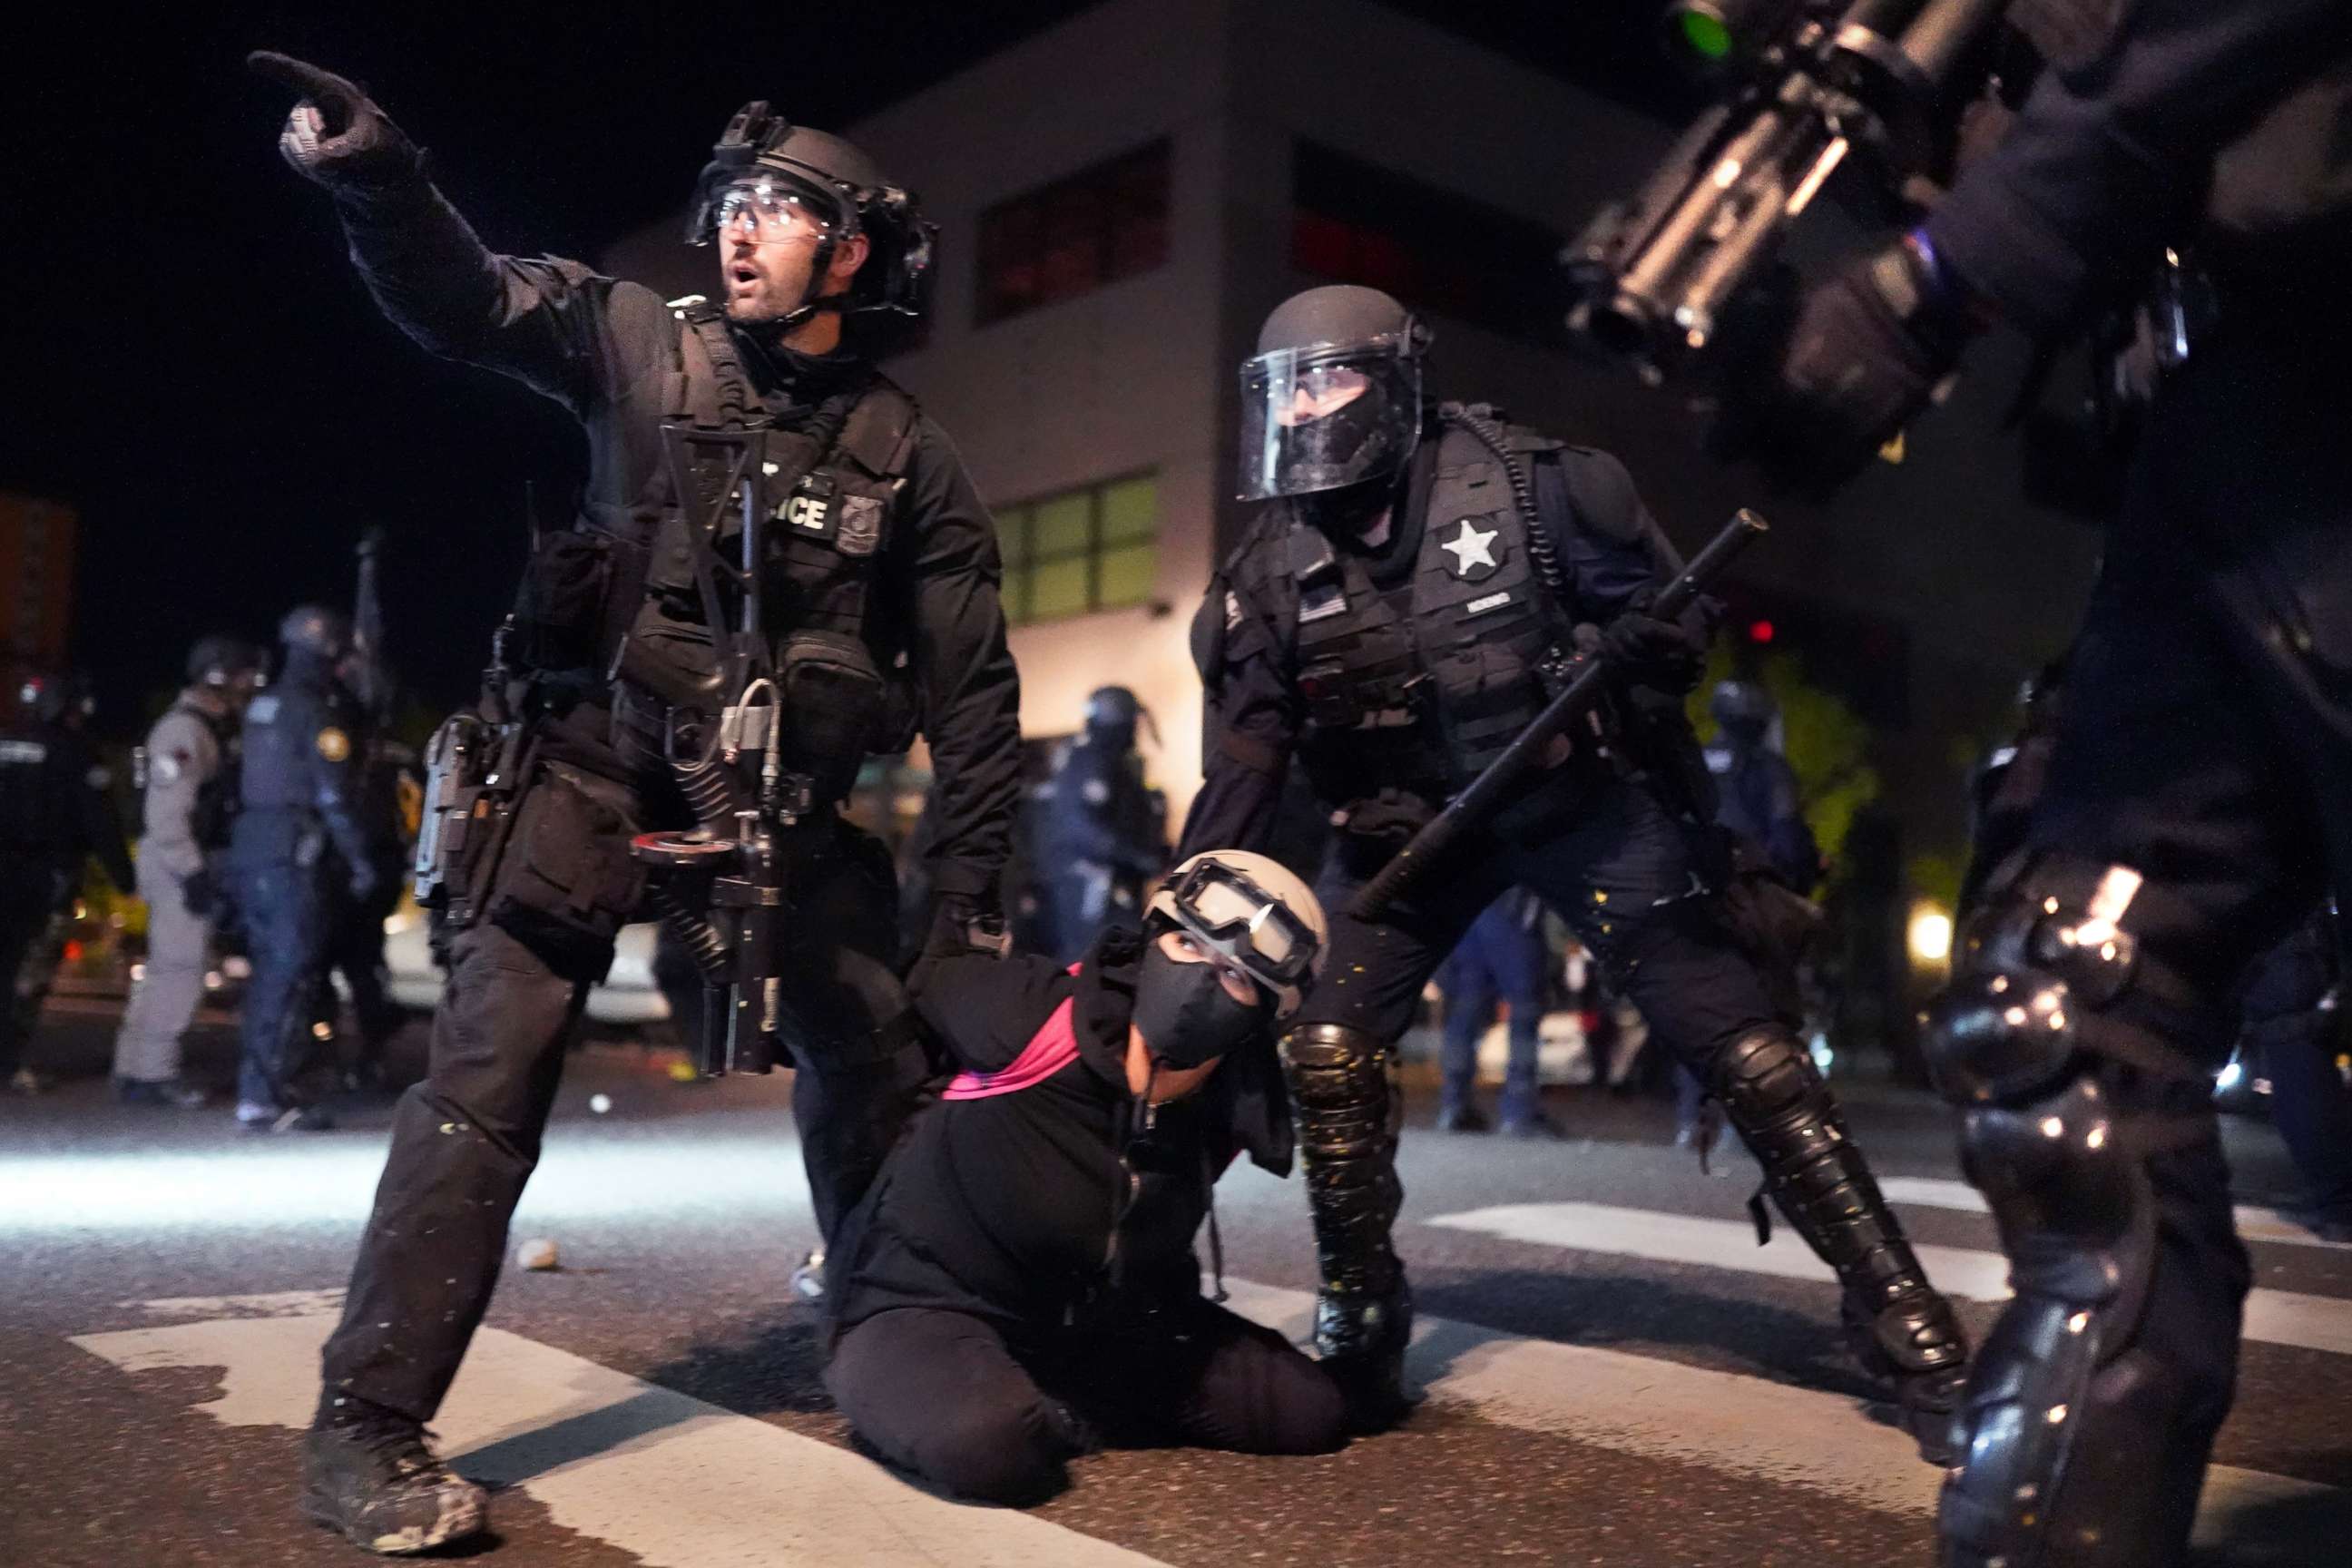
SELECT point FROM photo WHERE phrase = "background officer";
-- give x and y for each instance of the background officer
(1387, 618)
(1103, 834)
(1502, 957)
(298, 853)
(1756, 789)
(880, 599)
(2205, 746)
(55, 813)
(190, 795)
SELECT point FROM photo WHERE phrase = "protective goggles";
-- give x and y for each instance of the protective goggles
(774, 210)
(1242, 925)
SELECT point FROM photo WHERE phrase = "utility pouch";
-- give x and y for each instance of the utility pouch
(558, 614)
(473, 770)
(567, 882)
(832, 701)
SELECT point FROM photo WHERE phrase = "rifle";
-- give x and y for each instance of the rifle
(720, 886)
(1815, 82)
(1586, 680)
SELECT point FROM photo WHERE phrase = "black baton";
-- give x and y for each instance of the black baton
(1587, 678)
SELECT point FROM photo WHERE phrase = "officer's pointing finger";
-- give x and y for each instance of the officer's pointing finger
(332, 93)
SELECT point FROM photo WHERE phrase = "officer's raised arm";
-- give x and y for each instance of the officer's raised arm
(556, 325)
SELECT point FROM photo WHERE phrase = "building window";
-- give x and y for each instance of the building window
(1354, 222)
(1080, 551)
(1096, 226)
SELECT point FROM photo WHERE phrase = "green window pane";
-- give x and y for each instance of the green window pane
(1057, 588)
(1127, 574)
(1014, 595)
(1061, 524)
(1013, 535)
(1130, 509)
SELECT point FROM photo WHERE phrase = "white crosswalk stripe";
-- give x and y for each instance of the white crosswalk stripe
(2273, 1317)
(2254, 1223)
(611, 1456)
(675, 1480)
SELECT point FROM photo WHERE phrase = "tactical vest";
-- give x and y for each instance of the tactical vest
(1422, 685)
(826, 487)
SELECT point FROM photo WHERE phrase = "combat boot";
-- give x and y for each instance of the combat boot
(368, 1475)
(1360, 1341)
(1912, 1346)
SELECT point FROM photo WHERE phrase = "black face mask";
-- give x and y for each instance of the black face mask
(1347, 510)
(1187, 1015)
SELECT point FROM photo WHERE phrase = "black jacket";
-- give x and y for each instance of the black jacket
(607, 349)
(2227, 122)
(54, 808)
(1050, 1203)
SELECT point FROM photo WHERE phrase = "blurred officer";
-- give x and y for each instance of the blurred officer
(297, 851)
(189, 799)
(54, 815)
(1501, 957)
(1104, 831)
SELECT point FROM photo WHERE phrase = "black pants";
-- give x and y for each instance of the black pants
(291, 913)
(952, 1398)
(1619, 874)
(34, 897)
(2206, 741)
(466, 1139)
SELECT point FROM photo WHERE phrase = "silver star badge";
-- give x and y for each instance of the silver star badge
(1470, 549)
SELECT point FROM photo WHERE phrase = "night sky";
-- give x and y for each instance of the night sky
(194, 366)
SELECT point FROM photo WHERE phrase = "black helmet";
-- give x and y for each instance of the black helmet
(1743, 708)
(219, 660)
(847, 190)
(55, 699)
(1354, 355)
(1112, 708)
(315, 631)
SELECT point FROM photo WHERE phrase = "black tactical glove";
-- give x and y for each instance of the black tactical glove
(1642, 649)
(336, 134)
(1389, 818)
(960, 926)
(1865, 353)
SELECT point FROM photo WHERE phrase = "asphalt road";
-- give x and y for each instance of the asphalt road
(1615, 1372)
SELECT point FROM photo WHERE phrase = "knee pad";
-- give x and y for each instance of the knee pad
(1341, 1080)
(2020, 1040)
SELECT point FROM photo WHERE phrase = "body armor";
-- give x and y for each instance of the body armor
(1423, 684)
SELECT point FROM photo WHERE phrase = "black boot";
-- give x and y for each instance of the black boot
(1903, 1333)
(1348, 1113)
(368, 1476)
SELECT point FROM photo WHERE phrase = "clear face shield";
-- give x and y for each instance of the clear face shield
(1323, 417)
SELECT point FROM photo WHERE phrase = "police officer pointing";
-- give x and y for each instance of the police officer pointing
(1385, 620)
(878, 600)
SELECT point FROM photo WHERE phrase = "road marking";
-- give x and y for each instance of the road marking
(2273, 1317)
(1775, 1432)
(2254, 1223)
(681, 1483)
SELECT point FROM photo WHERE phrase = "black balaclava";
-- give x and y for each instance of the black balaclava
(1187, 1015)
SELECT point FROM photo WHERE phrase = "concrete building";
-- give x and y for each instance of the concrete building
(1126, 194)
(36, 564)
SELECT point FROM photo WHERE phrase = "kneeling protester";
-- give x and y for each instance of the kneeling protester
(1020, 1285)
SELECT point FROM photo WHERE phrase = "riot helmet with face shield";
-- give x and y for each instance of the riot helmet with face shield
(1331, 400)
